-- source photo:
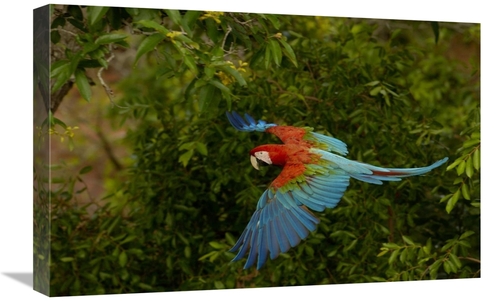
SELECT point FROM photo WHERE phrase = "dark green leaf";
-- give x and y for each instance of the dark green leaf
(219, 85)
(452, 201)
(288, 51)
(475, 159)
(469, 168)
(67, 259)
(206, 96)
(95, 13)
(123, 258)
(76, 12)
(201, 148)
(435, 30)
(190, 62)
(148, 44)
(235, 73)
(174, 15)
(110, 38)
(393, 256)
(465, 191)
(408, 240)
(456, 261)
(461, 167)
(185, 157)
(154, 25)
(455, 163)
(61, 74)
(83, 84)
(466, 234)
(85, 169)
(275, 51)
(267, 57)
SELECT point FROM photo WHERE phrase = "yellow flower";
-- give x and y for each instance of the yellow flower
(69, 131)
(212, 15)
(173, 34)
(224, 78)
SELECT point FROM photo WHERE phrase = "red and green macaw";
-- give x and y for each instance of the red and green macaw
(314, 176)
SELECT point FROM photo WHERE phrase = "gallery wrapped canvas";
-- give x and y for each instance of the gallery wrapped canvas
(142, 181)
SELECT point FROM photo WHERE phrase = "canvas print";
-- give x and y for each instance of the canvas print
(179, 150)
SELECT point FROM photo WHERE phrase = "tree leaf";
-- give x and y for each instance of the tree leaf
(174, 15)
(476, 160)
(434, 268)
(465, 191)
(276, 51)
(466, 234)
(403, 255)
(469, 168)
(435, 30)
(455, 163)
(206, 96)
(375, 91)
(408, 240)
(148, 44)
(122, 258)
(219, 85)
(110, 38)
(82, 84)
(373, 83)
(267, 57)
(216, 245)
(154, 25)
(95, 13)
(190, 62)
(461, 168)
(471, 142)
(62, 74)
(201, 148)
(455, 260)
(235, 74)
(288, 51)
(393, 256)
(76, 12)
(452, 201)
(184, 158)
(382, 253)
(67, 259)
(85, 170)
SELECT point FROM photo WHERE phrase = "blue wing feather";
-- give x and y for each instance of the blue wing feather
(248, 125)
(282, 220)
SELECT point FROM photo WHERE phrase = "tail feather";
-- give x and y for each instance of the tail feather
(374, 174)
(394, 174)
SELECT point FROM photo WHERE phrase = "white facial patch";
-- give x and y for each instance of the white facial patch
(263, 156)
(260, 156)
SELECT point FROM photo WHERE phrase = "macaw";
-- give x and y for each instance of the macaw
(314, 177)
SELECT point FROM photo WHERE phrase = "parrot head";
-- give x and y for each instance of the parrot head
(259, 158)
(268, 155)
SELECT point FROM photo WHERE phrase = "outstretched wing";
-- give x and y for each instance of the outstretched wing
(248, 124)
(282, 218)
(287, 134)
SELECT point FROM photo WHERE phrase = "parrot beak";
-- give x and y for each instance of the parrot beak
(255, 162)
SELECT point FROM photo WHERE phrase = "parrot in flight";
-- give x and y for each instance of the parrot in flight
(315, 175)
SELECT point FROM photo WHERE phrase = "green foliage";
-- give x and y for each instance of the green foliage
(386, 88)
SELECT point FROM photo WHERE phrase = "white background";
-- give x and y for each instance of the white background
(16, 194)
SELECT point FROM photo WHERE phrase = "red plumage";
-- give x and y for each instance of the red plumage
(292, 155)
